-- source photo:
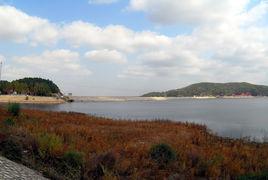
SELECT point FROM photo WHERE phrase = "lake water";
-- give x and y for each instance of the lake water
(226, 117)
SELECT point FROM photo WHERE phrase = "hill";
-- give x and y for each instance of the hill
(214, 89)
(30, 86)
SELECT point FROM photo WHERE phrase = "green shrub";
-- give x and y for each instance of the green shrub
(257, 176)
(49, 144)
(14, 109)
(11, 149)
(70, 165)
(9, 122)
(163, 154)
(73, 159)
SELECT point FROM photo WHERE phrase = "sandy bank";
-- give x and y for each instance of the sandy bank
(30, 99)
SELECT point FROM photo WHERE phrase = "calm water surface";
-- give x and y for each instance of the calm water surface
(226, 117)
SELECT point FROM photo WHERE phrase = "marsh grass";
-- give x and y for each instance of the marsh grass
(78, 146)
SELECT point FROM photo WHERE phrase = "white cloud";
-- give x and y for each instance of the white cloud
(17, 26)
(188, 12)
(102, 1)
(81, 33)
(106, 56)
(227, 38)
(64, 63)
(233, 49)
(136, 71)
(47, 34)
(10, 72)
(2, 58)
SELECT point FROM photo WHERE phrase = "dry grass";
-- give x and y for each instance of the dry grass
(199, 153)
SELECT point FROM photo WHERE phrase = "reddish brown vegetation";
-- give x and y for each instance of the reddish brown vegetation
(115, 149)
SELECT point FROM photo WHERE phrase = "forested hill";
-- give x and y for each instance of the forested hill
(214, 89)
(30, 86)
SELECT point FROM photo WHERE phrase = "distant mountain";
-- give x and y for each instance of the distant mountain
(31, 86)
(214, 89)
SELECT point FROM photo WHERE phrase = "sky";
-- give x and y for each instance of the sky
(131, 47)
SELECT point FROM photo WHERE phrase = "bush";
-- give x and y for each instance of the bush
(259, 176)
(73, 159)
(14, 109)
(49, 144)
(163, 154)
(9, 122)
(11, 149)
(70, 165)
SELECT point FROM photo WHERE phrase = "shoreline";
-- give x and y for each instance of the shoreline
(23, 99)
(138, 98)
(52, 100)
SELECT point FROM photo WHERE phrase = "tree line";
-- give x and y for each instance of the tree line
(30, 86)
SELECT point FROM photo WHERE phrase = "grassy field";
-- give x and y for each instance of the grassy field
(77, 146)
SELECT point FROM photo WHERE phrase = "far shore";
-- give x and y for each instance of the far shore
(30, 99)
(137, 98)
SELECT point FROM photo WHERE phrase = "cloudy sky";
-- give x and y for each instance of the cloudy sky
(129, 47)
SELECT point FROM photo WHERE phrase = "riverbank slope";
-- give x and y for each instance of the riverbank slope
(71, 145)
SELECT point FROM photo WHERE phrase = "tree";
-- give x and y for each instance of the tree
(32, 86)
(42, 89)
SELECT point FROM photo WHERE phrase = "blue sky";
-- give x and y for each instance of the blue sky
(130, 47)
